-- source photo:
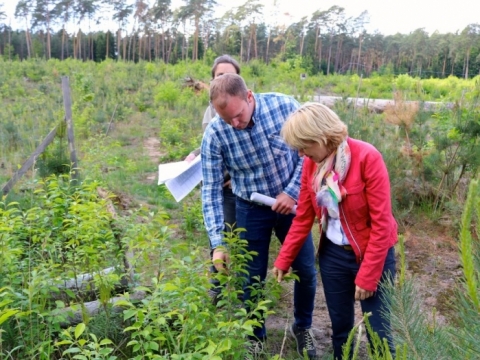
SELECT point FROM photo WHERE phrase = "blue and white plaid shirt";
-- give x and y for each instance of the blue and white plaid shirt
(257, 159)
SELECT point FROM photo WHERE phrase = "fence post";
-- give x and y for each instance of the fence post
(67, 103)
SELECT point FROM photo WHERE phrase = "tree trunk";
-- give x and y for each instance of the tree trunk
(125, 54)
(119, 44)
(27, 36)
(241, 45)
(131, 44)
(75, 37)
(164, 55)
(140, 40)
(329, 56)
(360, 40)
(92, 54)
(195, 39)
(79, 44)
(412, 63)
(49, 47)
(63, 42)
(107, 43)
(249, 45)
(444, 65)
(317, 39)
(255, 47)
(170, 43)
(183, 43)
(86, 46)
(268, 47)
(302, 40)
(467, 60)
(338, 53)
(144, 47)
(134, 45)
(149, 47)
(320, 52)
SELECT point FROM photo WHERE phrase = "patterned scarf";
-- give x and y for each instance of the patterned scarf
(328, 179)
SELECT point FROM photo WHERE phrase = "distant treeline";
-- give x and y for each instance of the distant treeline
(327, 42)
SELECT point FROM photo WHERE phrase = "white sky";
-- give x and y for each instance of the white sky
(388, 17)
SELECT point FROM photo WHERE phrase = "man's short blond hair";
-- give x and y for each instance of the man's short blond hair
(227, 84)
(314, 122)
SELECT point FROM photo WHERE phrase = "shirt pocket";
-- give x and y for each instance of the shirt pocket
(278, 146)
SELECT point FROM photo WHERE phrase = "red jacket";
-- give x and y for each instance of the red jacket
(365, 214)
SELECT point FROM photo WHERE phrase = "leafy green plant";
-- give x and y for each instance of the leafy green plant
(167, 93)
(85, 349)
(466, 300)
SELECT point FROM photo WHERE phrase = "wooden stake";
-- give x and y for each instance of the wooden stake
(67, 103)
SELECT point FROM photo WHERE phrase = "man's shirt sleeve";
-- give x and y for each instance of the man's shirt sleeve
(212, 199)
(293, 187)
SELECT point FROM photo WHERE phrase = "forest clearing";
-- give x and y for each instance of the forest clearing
(129, 117)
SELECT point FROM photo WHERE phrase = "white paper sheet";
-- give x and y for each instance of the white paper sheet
(181, 177)
(267, 200)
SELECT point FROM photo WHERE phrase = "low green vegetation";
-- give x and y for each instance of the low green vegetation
(153, 303)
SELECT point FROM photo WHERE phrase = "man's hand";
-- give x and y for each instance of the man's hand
(362, 294)
(220, 259)
(278, 274)
(190, 157)
(284, 204)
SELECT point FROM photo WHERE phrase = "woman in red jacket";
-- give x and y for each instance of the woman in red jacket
(345, 185)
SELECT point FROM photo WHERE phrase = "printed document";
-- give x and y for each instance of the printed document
(180, 177)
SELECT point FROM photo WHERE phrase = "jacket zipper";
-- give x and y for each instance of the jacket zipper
(350, 231)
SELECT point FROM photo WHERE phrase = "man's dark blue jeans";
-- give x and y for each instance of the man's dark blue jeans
(260, 222)
(229, 204)
(338, 269)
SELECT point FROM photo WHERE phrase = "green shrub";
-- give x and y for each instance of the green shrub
(167, 94)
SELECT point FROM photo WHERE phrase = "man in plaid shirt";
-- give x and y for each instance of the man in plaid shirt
(245, 139)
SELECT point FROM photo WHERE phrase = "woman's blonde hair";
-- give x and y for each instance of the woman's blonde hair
(314, 122)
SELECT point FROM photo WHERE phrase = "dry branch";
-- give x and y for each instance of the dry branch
(128, 256)
(378, 105)
(75, 314)
(28, 164)
(81, 282)
(195, 84)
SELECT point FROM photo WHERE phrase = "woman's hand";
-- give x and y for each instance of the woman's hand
(362, 294)
(278, 274)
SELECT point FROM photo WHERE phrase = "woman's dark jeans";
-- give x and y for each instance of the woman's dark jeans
(338, 269)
